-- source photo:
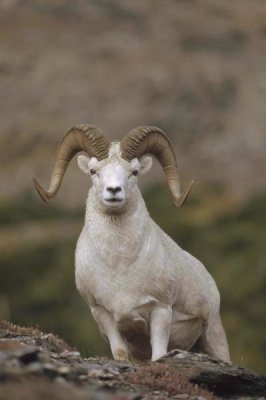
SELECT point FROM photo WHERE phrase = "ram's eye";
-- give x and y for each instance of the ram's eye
(135, 173)
(92, 171)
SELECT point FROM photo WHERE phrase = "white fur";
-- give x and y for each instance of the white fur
(146, 293)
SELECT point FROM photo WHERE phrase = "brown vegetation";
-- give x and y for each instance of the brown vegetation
(167, 379)
(49, 339)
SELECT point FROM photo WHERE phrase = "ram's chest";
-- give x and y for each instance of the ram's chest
(119, 289)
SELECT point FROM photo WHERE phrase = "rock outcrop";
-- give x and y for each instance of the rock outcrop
(35, 365)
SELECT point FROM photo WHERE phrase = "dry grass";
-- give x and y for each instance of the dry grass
(20, 330)
(53, 340)
(157, 376)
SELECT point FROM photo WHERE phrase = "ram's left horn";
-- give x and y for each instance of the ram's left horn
(152, 140)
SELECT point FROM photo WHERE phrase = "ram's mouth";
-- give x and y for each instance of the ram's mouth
(113, 203)
(114, 200)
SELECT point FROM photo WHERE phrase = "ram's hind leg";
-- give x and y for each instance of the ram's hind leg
(185, 332)
(213, 340)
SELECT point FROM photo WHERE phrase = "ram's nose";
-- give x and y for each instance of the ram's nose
(114, 189)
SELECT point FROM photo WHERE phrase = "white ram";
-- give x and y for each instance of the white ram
(147, 295)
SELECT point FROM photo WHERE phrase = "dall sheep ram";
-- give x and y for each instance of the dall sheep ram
(146, 294)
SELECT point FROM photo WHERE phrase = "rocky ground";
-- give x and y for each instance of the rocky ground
(35, 365)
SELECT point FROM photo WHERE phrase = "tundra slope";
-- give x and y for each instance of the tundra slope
(146, 293)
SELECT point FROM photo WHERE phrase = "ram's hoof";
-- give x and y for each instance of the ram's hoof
(120, 355)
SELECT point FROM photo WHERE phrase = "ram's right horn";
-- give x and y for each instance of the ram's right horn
(86, 138)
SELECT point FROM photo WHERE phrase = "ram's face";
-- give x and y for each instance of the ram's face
(114, 179)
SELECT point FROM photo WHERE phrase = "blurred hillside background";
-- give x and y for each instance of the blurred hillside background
(195, 68)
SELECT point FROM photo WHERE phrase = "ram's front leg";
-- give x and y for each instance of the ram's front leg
(109, 329)
(160, 325)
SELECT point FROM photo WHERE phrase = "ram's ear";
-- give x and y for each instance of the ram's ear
(145, 164)
(83, 163)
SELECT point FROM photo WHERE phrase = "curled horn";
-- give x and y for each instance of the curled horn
(86, 138)
(149, 139)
